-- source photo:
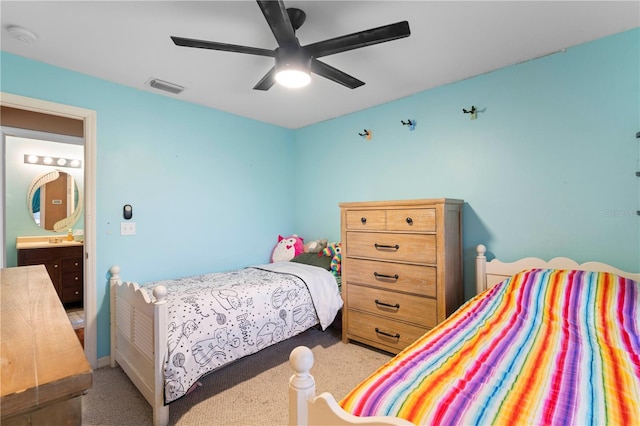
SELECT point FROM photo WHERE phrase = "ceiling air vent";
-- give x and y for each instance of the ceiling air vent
(166, 86)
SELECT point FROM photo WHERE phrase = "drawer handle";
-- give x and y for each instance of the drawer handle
(55, 266)
(384, 333)
(391, 277)
(384, 246)
(409, 221)
(76, 278)
(363, 220)
(77, 292)
(396, 306)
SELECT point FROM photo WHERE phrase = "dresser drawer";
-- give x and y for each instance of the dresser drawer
(417, 220)
(382, 331)
(366, 219)
(394, 276)
(418, 248)
(398, 306)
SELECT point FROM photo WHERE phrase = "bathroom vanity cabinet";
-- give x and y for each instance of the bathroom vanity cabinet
(64, 265)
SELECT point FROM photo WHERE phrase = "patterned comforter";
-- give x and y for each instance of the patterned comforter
(217, 318)
(548, 347)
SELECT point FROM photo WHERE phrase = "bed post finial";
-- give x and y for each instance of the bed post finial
(481, 269)
(114, 271)
(160, 293)
(302, 386)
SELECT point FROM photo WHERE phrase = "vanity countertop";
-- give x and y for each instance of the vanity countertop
(45, 242)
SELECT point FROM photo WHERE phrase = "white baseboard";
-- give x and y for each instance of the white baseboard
(105, 361)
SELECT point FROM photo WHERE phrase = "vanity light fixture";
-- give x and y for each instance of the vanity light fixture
(46, 161)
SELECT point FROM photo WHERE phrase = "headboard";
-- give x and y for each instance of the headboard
(489, 274)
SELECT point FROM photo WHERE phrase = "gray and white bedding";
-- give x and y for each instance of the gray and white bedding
(220, 317)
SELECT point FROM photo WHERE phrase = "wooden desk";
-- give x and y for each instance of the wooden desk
(44, 371)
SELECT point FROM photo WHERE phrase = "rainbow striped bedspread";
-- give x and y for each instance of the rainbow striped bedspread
(548, 347)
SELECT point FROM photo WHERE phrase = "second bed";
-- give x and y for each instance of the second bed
(167, 334)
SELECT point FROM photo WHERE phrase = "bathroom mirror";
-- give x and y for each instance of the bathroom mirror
(54, 201)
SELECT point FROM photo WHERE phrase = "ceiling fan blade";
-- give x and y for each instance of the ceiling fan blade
(360, 39)
(203, 44)
(334, 74)
(278, 19)
(267, 81)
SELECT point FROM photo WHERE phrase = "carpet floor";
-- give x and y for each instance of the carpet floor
(251, 391)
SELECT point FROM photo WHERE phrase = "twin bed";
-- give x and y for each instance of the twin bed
(168, 334)
(542, 343)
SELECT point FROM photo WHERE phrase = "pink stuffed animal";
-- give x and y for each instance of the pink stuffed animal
(287, 248)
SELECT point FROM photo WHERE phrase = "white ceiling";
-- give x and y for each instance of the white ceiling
(128, 42)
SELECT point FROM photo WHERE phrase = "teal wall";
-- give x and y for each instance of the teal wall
(210, 190)
(547, 169)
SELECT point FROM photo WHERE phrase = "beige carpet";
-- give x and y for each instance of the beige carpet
(251, 391)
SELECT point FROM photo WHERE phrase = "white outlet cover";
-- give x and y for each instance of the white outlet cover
(127, 228)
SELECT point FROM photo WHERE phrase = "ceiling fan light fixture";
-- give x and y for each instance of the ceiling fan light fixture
(292, 69)
(293, 78)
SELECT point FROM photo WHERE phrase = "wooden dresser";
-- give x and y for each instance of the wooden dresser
(64, 265)
(401, 269)
(44, 371)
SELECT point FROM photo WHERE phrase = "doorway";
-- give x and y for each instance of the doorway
(88, 118)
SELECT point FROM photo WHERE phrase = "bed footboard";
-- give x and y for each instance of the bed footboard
(139, 339)
(307, 409)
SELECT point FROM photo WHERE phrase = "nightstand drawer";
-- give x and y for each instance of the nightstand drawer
(382, 331)
(366, 219)
(418, 248)
(394, 276)
(417, 220)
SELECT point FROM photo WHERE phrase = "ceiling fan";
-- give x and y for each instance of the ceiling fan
(295, 61)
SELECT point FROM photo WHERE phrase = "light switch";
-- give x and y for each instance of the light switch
(128, 228)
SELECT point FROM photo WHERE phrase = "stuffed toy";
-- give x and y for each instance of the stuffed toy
(334, 251)
(287, 248)
(315, 246)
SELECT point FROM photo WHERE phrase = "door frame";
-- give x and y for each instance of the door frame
(89, 119)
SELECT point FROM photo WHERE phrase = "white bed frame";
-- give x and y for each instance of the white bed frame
(305, 408)
(139, 339)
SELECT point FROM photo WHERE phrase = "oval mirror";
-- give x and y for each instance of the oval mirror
(54, 201)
